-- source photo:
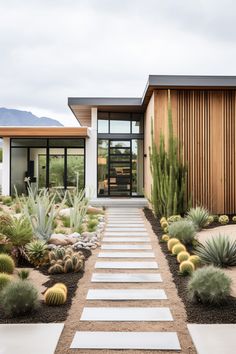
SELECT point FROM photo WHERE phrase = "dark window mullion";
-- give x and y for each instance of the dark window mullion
(65, 168)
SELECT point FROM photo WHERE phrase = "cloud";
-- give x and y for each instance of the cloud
(52, 49)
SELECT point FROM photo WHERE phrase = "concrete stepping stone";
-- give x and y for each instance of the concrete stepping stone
(126, 265)
(33, 338)
(126, 255)
(121, 314)
(126, 239)
(126, 340)
(128, 233)
(126, 278)
(126, 247)
(124, 224)
(126, 294)
(126, 229)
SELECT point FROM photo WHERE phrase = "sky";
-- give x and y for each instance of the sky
(54, 49)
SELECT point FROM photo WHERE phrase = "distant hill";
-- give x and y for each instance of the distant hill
(15, 117)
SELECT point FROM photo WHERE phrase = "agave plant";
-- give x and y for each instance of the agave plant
(219, 251)
(79, 208)
(37, 252)
(199, 216)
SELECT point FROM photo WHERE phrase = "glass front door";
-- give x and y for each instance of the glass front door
(120, 168)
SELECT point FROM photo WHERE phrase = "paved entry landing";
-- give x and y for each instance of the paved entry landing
(126, 287)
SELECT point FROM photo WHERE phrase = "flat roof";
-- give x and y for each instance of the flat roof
(138, 104)
(44, 132)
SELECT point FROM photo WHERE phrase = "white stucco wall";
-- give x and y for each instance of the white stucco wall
(91, 157)
(6, 167)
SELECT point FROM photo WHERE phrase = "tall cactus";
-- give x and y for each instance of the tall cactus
(168, 192)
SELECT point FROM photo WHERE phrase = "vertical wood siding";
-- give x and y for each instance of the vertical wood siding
(204, 121)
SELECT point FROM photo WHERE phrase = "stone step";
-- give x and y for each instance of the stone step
(126, 255)
(126, 247)
(120, 314)
(126, 294)
(125, 233)
(125, 225)
(126, 265)
(126, 340)
(126, 239)
(126, 278)
(125, 229)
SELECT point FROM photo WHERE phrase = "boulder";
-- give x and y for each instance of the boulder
(93, 210)
(59, 240)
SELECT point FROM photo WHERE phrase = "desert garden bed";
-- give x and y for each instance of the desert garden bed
(196, 312)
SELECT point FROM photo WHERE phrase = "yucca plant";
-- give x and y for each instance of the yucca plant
(219, 250)
(199, 216)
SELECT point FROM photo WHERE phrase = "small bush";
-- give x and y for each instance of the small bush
(7, 201)
(23, 274)
(19, 298)
(66, 221)
(4, 280)
(209, 285)
(223, 219)
(7, 264)
(183, 230)
(199, 217)
(219, 251)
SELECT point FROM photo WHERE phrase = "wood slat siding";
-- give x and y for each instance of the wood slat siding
(204, 121)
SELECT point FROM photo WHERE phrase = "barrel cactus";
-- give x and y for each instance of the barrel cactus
(172, 242)
(165, 238)
(55, 296)
(179, 247)
(61, 286)
(223, 219)
(4, 280)
(186, 268)
(183, 256)
(195, 260)
(7, 264)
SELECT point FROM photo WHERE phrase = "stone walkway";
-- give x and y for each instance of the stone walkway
(127, 306)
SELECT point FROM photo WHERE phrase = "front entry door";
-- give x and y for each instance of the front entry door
(120, 168)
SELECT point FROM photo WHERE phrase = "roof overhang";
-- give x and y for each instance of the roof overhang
(83, 105)
(46, 132)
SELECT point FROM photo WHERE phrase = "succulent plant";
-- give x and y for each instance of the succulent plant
(55, 296)
(7, 264)
(210, 219)
(4, 280)
(165, 238)
(223, 219)
(166, 230)
(183, 256)
(61, 286)
(234, 218)
(23, 274)
(173, 218)
(56, 269)
(179, 247)
(164, 224)
(186, 268)
(199, 217)
(195, 260)
(210, 285)
(171, 243)
(65, 260)
(37, 252)
(162, 219)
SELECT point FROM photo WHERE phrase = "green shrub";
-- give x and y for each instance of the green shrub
(65, 221)
(23, 274)
(4, 280)
(199, 216)
(5, 222)
(223, 219)
(219, 250)
(209, 285)
(7, 201)
(92, 225)
(7, 264)
(183, 230)
(37, 252)
(19, 231)
(19, 298)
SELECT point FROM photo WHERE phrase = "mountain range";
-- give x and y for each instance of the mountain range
(16, 117)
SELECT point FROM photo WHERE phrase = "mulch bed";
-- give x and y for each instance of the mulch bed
(196, 312)
(45, 313)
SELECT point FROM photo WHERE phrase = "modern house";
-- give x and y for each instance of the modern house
(110, 151)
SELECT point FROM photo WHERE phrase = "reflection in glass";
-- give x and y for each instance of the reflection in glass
(19, 167)
(103, 126)
(137, 167)
(75, 167)
(119, 127)
(56, 168)
(102, 167)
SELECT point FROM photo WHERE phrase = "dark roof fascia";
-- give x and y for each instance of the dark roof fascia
(105, 101)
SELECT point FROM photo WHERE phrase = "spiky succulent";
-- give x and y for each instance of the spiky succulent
(55, 296)
(199, 217)
(186, 268)
(171, 243)
(183, 256)
(179, 247)
(223, 219)
(218, 250)
(37, 252)
(7, 264)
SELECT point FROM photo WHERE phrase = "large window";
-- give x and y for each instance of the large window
(120, 154)
(52, 163)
